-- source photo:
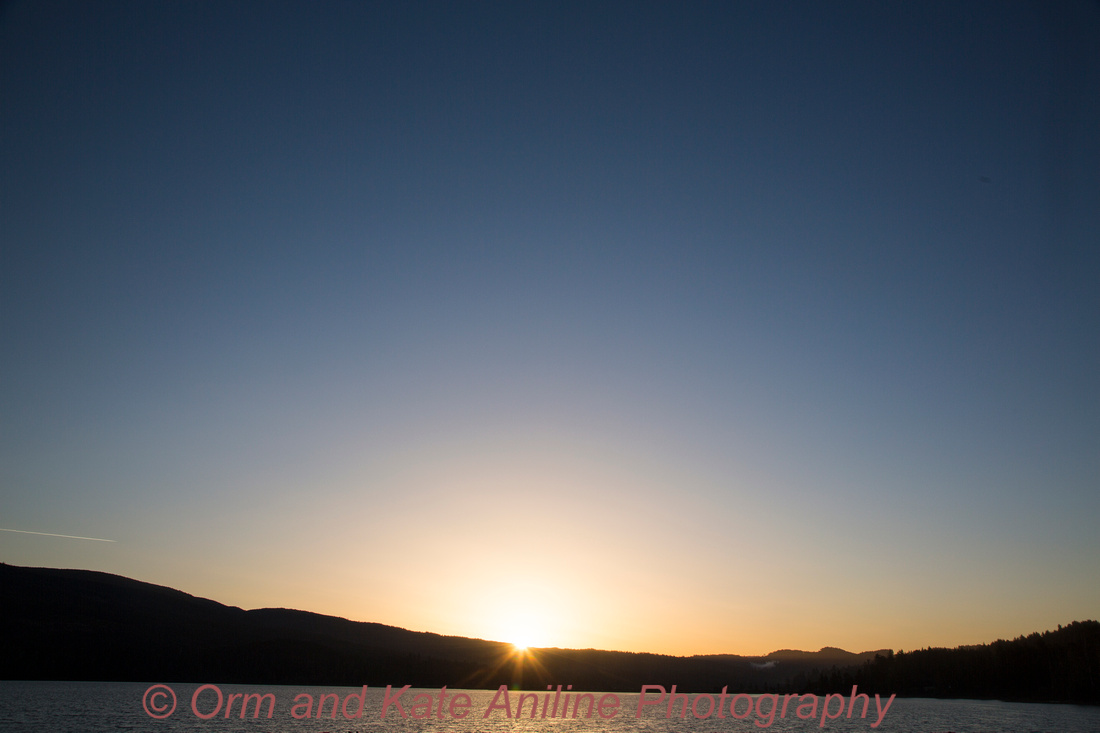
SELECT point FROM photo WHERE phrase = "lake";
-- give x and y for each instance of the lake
(98, 707)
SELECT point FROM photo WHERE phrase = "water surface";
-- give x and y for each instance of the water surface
(99, 707)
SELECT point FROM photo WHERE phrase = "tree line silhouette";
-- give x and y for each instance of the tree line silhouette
(1062, 665)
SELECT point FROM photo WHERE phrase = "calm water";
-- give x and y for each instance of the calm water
(96, 707)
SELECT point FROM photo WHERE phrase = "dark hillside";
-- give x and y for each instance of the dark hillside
(84, 625)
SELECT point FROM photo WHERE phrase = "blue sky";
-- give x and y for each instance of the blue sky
(717, 328)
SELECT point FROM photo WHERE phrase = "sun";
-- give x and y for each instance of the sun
(521, 616)
(522, 637)
(523, 631)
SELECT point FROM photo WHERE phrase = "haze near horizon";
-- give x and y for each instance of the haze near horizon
(723, 328)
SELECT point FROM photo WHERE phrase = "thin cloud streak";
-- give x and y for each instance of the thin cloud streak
(51, 534)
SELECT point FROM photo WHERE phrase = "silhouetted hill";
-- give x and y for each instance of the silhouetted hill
(79, 624)
(85, 625)
(829, 653)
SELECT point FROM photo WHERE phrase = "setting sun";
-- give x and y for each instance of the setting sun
(522, 632)
(524, 615)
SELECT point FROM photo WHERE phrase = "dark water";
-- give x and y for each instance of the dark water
(97, 707)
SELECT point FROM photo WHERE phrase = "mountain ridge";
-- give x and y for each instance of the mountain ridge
(122, 580)
(68, 624)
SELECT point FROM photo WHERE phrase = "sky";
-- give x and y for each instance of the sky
(681, 328)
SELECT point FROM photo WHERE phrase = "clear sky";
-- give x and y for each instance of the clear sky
(685, 328)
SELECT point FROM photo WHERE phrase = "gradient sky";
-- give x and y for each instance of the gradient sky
(719, 328)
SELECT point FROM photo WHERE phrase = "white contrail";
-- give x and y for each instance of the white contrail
(51, 534)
